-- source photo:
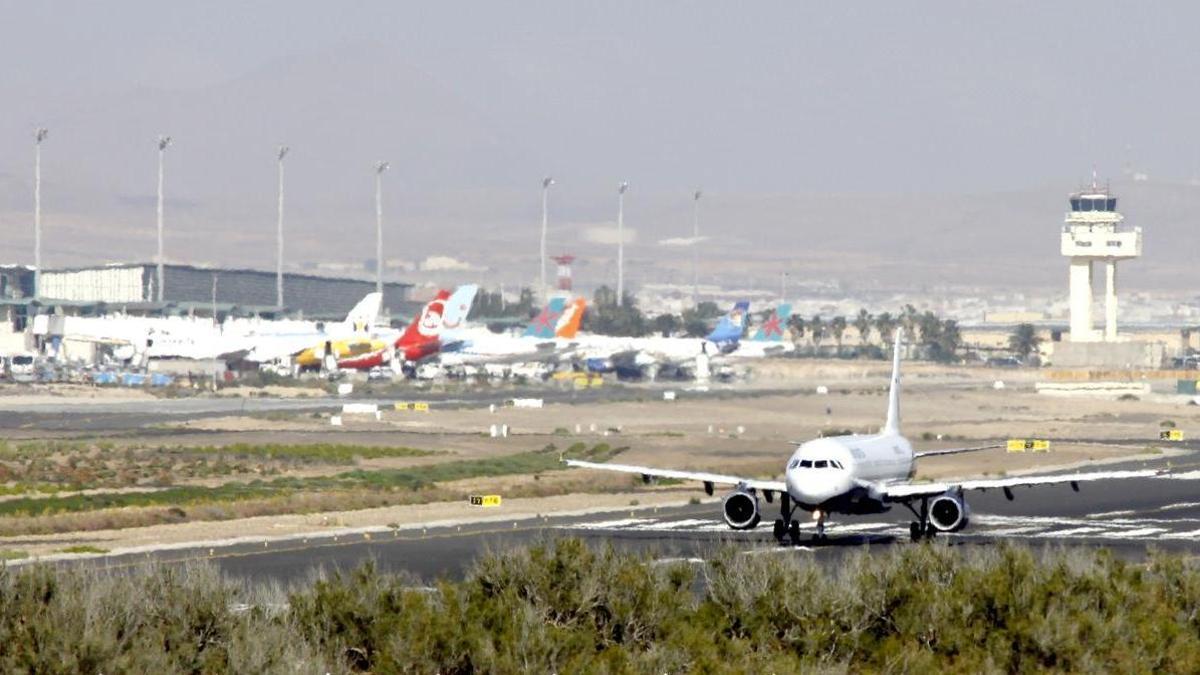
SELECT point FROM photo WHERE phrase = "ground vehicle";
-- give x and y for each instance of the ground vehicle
(20, 367)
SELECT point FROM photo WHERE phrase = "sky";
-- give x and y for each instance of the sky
(473, 102)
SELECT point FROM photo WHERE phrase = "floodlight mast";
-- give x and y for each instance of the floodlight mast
(696, 247)
(38, 137)
(621, 188)
(163, 142)
(546, 183)
(283, 151)
(380, 167)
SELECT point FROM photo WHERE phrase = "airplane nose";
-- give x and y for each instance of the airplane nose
(814, 487)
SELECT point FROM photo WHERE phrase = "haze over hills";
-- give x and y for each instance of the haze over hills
(865, 145)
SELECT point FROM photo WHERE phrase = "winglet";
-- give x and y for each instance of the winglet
(892, 426)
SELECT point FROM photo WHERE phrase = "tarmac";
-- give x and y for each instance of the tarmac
(1130, 517)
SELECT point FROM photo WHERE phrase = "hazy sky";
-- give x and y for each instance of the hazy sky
(473, 102)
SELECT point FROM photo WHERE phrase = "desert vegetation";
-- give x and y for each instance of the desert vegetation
(562, 606)
(254, 490)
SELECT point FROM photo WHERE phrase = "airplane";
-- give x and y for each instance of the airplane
(418, 342)
(546, 336)
(635, 356)
(142, 338)
(858, 475)
(768, 340)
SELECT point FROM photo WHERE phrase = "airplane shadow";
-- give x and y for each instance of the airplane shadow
(844, 541)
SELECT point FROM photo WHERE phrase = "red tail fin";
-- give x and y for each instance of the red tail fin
(427, 324)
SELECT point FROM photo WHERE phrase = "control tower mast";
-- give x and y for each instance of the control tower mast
(1093, 233)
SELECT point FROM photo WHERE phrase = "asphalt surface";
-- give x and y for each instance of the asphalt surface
(1129, 517)
(100, 415)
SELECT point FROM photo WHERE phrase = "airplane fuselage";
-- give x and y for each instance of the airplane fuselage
(831, 474)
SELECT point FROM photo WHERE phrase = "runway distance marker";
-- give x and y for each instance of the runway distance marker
(485, 501)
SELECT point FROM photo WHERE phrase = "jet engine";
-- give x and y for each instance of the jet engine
(741, 510)
(949, 512)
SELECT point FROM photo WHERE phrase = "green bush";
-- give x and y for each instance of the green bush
(567, 607)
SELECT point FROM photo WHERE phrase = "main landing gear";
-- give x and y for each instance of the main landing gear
(921, 528)
(786, 527)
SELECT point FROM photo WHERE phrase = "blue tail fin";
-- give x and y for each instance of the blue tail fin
(772, 328)
(546, 322)
(458, 306)
(732, 325)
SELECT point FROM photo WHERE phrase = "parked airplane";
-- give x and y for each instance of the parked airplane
(856, 475)
(140, 338)
(636, 356)
(546, 336)
(768, 340)
(419, 341)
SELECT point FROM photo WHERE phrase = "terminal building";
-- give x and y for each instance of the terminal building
(187, 290)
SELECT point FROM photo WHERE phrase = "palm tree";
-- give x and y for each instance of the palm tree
(908, 319)
(816, 330)
(838, 327)
(862, 323)
(795, 323)
(885, 325)
(1024, 340)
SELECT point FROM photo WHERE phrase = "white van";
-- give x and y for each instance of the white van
(20, 367)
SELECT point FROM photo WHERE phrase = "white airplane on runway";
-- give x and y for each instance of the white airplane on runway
(858, 475)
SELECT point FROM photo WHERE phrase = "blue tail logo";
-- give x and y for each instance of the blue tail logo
(544, 325)
(772, 328)
(732, 325)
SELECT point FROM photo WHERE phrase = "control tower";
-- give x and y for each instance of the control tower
(1093, 233)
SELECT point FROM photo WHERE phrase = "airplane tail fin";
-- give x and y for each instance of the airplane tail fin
(772, 328)
(458, 306)
(892, 426)
(363, 316)
(731, 326)
(546, 321)
(572, 316)
(428, 322)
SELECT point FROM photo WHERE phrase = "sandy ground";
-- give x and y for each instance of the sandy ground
(747, 433)
(342, 523)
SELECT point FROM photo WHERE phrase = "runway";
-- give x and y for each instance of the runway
(1127, 516)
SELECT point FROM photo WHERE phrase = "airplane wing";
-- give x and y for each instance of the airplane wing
(700, 476)
(955, 451)
(900, 492)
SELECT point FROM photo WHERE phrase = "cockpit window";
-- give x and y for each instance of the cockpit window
(806, 464)
(835, 464)
(794, 463)
(821, 464)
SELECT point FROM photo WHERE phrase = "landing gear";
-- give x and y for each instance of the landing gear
(922, 528)
(785, 526)
(820, 535)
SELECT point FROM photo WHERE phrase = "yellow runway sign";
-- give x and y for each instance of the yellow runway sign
(1031, 444)
(485, 501)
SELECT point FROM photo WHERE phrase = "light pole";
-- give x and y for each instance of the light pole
(696, 247)
(783, 287)
(546, 183)
(621, 241)
(380, 167)
(163, 142)
(38, 137)
(283, 151)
